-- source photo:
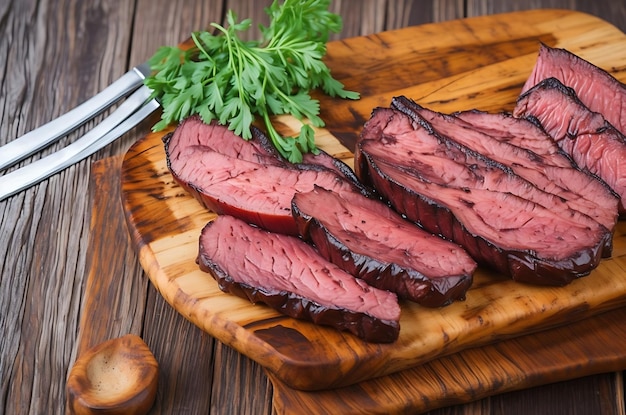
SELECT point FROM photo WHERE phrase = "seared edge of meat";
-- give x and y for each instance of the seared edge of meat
(372, 242)
(467, 215)
(288, 275)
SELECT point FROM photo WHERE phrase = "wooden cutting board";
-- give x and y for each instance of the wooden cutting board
(472, 63)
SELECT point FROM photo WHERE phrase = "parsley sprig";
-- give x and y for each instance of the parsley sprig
(224, 78)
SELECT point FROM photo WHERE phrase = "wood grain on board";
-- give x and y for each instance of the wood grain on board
(571, 351)
(474, 63)
(537, 359)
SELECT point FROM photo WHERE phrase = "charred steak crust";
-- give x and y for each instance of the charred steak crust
(463, 208)
(372, 242)
(288, 275)
(293, 305)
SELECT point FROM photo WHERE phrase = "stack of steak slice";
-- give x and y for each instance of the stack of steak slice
(251, 187)
(371, 241)
(246, 179)
(433, 169)
(550, 170)
(287, 274)
(597, 89)
(591, 141)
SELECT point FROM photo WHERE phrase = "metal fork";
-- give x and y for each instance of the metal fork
(131, 112)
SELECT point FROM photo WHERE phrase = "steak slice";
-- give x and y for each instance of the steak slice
(371, 241)
(517, 131)
(288, 275)
(553, 173)
(257, 193)
(502, 220)
(597, 89)
(193, 135)
(246, 179)
(591, 141)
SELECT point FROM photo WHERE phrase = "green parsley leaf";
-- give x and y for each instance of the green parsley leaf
(233, 81)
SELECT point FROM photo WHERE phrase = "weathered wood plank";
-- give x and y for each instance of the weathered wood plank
(115, 288)
(560, 398)
(613, 12)
(59, 52)
(45, 229)
(480, 372)
(186, 356)
(240, 385)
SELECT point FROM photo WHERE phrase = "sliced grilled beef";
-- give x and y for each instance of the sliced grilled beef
(515, 131)
(288, 275)
(194, 136)
(502, 220)
(592, 142)
(246, 179)
(596, 88)
(552, 173)
(372, 242)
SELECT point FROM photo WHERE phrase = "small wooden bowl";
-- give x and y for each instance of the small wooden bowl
(118, 376)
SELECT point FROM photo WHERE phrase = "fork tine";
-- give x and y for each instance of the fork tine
(132, 111)
(40, 137)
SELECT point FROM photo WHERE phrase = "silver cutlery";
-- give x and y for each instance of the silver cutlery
(129, 113)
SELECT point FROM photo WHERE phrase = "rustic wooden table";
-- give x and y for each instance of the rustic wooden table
(63, 243)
